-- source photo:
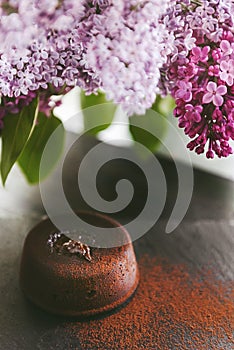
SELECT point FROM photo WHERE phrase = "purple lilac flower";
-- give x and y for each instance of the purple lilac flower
(201, 77)
(42, 48)
(118, 46)
(127, 50)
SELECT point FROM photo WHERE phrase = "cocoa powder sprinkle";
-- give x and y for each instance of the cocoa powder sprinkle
(172, 308)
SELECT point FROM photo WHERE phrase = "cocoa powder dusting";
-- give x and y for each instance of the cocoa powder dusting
(171, 309)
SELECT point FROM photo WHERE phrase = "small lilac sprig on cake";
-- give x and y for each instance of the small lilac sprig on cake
(200, 73)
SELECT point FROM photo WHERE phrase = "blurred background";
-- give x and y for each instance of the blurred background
(71, 106)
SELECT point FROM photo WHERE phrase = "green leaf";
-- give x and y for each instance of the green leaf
(30, 158)
(99, 118)
(16, 131)
(164, 105)
(150, 128)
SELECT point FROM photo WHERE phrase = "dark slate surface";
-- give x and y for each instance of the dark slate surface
(205, 236)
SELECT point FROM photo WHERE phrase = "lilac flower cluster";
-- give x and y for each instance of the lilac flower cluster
(200, 73)
(127, 51)
(130, 49)
(41, 51)
(48, 47)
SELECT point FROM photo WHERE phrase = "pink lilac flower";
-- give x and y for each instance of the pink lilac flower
(184, 91)
(193, 113)
(214, 94)
(227, 71)
(200, 54)
(208, 118)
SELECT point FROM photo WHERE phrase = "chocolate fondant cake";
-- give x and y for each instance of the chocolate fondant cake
(67, 277)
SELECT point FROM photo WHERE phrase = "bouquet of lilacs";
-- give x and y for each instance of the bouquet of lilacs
(134, 51)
